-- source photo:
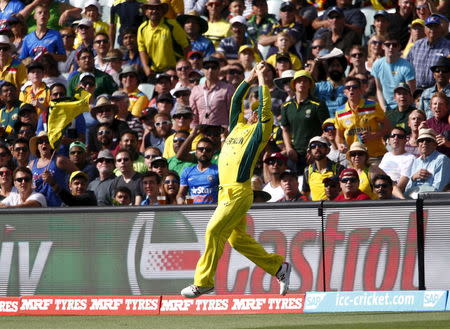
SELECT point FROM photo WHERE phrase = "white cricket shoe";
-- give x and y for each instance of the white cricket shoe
(283, 276)
(194, 291)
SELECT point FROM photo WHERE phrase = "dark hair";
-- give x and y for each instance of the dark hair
(400, 128)
(122, 150)
(129, 30)
(123, 189)
(271, 68)
(185, 132)
(349, 79)
(21, 141)
(84, 50)
(129, 131)
(384, 177)
(172, 173)
(205, 140)
(391, 37)
(7, 84)
(102, 33)
(50, 65)
(57, 84)
(23, 169)
(152, 174)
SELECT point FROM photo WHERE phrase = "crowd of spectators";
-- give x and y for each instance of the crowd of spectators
(358, 116)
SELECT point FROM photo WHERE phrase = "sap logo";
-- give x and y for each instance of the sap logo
(431, 298)
(313, 300)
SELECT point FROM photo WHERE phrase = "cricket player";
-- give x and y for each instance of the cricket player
(237, 160)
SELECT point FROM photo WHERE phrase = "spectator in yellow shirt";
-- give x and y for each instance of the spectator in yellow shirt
(35, 91)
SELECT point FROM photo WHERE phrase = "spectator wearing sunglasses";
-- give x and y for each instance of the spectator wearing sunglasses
(349, 182)
(129, 141)
(151, 153)
(321, 168)
(159, 166)
(25, 196)
(163, 129)
(171, 186)
(274, 165)
(383, 187)
(20, 152)
(101, 186)
(397, 162)
(6, 181)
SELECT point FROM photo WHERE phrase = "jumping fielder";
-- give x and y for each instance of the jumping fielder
(236, 163)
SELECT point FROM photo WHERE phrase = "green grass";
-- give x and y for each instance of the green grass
(422, 320)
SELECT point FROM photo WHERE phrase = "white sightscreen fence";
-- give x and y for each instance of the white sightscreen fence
(154, 250)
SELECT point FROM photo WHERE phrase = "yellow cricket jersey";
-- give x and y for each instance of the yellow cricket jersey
(15, 72)
(138, 102)
(217, 31)
(367, 116)
(159, 43)
(246, 141)
(42, 95)
(296, 62)
(168, 145)
(175, 7)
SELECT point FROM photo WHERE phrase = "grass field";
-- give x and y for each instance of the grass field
(421, 320)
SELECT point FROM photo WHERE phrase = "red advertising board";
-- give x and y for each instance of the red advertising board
(9, 305)
(233, 304)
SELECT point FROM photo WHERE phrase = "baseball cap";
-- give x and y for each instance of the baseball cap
(26, 108)
(329, 121)
(238, 19)
(158, 159)
(181, 109)
(91, 3)
(162, 76)
(194, 52)
(348, 172)
(211, 59)
(119, 94)
(104, 154)
(382, 13)
(79, 144)
(276, 155)
(85, 22)
(404, 86)
(148, 112)
(76, 174)
(35, 65)
(432, 20)
(86, 74)
(336, 10)
(281, 56)
(332, 179)
(319, 139)
(417, 21)
(288, 172)
(164, 97)
(286, 5)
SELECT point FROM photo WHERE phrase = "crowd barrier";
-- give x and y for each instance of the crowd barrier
(141, 251)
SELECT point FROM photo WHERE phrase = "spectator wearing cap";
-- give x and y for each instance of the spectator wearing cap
(441, 74)
(397, 162)
(331, 91)
(163, 129)
(43, 40)
(182, 119)
(426, 52)
(332, 187)
(129, 80)
(131, 52)
(126, 14)
(196, 59)
(389, 71)
(28, 114)
(358, 159)
(165, 103)
(36, 92)
(120, 98)
(380, 23)
(114, 59)
(162, 85)
(195, 26)
(104, 112)
(283, 43)
(201, 181)
(211, 101)
(129, 177)
(286, 23)
(24, 196)
(361, 120)
(181, 95)
(9, 111)
(301, 118)
(398, 116)
(101, 48)
(79, 157)
(337, 34)
(439, 122)
(156, 39)
(417, 32)
(159, 165)
(101, 186)
(11, 69)
(85, 33)
(78, 194)
(58, 166)
(218, 28)
(129, 141)
(349, 181)
(260, 20)
(103, 81)
(329, 133)
(274, 165)
(247, 56)
(355, 20)
(431, 170)
(230, 45)
(321, 168)
(289, 185)
(87, 82)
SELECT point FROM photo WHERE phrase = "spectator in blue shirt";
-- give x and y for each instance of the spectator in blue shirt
(43, 40)
(202, 180)
(12, 7)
